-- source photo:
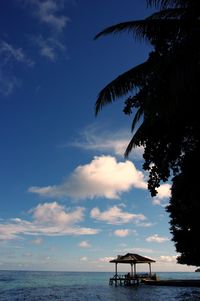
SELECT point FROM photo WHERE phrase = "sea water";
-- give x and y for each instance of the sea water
(88, 286)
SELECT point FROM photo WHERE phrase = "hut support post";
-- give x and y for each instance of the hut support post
(131, 269)
(134, 269)
(149, 269)
(115, 268)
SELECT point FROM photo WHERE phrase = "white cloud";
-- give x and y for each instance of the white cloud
(49, 219)
(156, 202)
(167, 258)
(48, 12)
(102, 177)
(8, 56)
(106, 259)
(164, 191)
(84, 258)
(48, 47)
(123, 245)
(84, 244)
(139, 250)
(94, 138)
(28, 254)
(51, 14)
(55, 214)
(8, 83)
(8, 52)
(116, 216)
(156, 238)
(37, 241)
(145, 224)
(122, 232)
(163, 195)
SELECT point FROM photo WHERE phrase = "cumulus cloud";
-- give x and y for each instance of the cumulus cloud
(37, 241)
(49, 219)
(84, 244)
(163, 195)
(137, 250)
(145, 224)
(122, 232)
(102, 177)
(55, 214)
(28, 254)
(106, 259)
(167, 258)
(116, 216)
(164, 191)
(95, 139)
(156, 238)
(84, 258)
(156, 201)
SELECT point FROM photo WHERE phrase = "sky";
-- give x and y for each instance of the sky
(69, 201)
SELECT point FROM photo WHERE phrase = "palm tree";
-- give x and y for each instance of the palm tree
(162, 93)
(158, 86)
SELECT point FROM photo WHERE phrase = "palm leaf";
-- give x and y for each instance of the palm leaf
(130, 26)
(149, 29)
(136, 140)
(137, 117)
(168, 13)
(168, 3)
(123, 84)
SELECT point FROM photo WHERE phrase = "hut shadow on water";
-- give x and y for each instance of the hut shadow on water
(133, 278)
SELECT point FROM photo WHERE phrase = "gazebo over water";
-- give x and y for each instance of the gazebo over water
(131, 278)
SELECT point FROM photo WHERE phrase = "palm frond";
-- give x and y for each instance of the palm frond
(149, 28)
(168, 3)
(123, 84)
(136, 140)
(130, 26)
(137, 117)
(160, 3)
(168, 13)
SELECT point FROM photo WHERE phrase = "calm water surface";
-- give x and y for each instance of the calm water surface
(75, 286)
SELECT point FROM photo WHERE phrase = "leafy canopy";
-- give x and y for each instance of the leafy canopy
(162, 94)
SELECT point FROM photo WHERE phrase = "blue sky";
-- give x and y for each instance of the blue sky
(68, 199)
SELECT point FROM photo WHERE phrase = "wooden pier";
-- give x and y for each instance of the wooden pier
(174, 282)
(123, 280)
(132, 278)
(128, 280)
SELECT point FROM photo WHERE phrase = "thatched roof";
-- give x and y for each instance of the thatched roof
(132, 258)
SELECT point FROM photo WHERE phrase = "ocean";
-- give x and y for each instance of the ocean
(88, 286)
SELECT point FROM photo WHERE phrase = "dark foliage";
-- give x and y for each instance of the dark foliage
(164, 93)
(184, 210)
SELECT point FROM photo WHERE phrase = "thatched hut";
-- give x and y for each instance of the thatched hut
(132, 259)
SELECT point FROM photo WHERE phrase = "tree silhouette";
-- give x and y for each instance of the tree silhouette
(163, 94)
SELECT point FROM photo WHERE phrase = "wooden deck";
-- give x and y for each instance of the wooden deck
(129, 281)
(123, 280)
(173, 282)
